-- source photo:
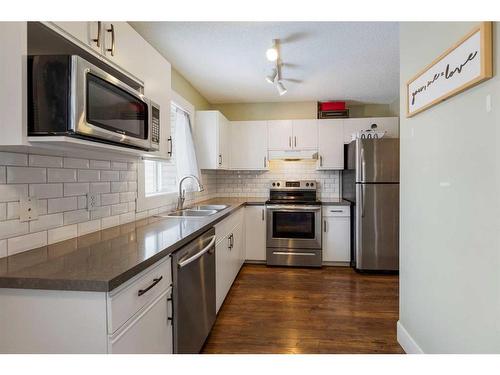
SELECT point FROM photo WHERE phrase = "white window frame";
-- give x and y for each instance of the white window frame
(160, 199)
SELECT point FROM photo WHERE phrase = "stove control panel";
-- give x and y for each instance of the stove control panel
(294, 185)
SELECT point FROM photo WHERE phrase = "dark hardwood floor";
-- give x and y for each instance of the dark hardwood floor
(299, 310)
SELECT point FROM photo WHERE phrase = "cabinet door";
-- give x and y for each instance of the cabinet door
(222, 271)
(85, 32)
(150, 332)
(331, 144)
(305, 134)
(248, 145)
(280, 134)
(255, 226)
(224, 142)
(238, 250)
(336, 239)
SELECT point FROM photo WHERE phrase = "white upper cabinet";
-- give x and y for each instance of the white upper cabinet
(89, 33)
(331, 144)
(305, 134)
(212, 137)
(293, 135)
(280, 133)
(248, 144)
(388, 124)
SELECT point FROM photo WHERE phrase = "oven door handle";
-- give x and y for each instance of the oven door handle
(294, 208)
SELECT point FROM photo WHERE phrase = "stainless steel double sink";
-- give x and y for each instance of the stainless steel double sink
(197, 211)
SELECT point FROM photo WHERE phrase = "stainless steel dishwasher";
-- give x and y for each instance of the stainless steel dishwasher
(193, 269)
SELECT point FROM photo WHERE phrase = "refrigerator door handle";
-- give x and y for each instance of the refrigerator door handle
(362, 201)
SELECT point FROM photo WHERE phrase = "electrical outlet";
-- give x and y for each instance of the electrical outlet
(93, 201)
(28, 208)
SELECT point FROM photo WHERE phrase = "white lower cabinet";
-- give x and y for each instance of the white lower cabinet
(150, 332)
(133, 318)
(229, 253)
(255, 233)
(336, 234)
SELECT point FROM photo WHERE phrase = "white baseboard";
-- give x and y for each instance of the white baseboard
(406, 341)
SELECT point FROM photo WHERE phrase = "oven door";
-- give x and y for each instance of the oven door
(294, 226)
(105, 108)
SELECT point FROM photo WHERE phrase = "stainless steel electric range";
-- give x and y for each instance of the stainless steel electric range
(293, 224)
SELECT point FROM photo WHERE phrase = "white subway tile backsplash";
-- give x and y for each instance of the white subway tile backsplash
(19, 175)
(61, 175)
(117, 187)
(45, 222)
(12, 210)
(62, 233)
(3, 248)
(46, 190)
(100, 187)
(88, 175)
(120, 208)
(119, 166)
(76, 188)
(89, 227)
(127, 197)
(3, 175)
(12, 228)
(107, 199)
(62, 204)
(73, 217)
(9, 193)
(3, 211)
(11, 158)
(45, 161)
(61, 185)
(100, 164)
(30, 241)
(110, 175)
(76, 163)
(128, 176)
(100, 212)
(127, 218)
(111, 221)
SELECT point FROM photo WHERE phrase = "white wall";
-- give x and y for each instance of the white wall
(450, 206)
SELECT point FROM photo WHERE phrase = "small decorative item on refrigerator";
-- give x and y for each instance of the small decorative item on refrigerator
(371, 133)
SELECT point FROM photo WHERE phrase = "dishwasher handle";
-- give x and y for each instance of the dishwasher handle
(191, 259)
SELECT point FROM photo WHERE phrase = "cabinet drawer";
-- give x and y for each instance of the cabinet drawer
(126, 301)
(336, 211)
(225, 227)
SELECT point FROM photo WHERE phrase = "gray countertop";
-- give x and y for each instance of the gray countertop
(103, 260)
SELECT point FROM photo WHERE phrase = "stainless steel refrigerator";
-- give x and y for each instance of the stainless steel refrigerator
(371, 182)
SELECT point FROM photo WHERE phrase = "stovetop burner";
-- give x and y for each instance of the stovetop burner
(293, 192)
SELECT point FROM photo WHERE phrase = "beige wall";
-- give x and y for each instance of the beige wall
(184, 88)
(449, 221)
(294, 110)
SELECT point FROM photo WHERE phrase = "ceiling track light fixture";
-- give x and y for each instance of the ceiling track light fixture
(274, 77)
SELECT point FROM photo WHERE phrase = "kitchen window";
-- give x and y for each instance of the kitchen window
(161, 177)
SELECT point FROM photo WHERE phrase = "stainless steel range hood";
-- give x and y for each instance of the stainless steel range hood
(293, 155)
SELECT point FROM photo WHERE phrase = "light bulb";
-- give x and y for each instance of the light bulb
(272, 53)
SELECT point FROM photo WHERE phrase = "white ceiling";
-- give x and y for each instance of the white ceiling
(225, 61)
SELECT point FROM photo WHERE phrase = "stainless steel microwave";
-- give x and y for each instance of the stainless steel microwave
(72, 97)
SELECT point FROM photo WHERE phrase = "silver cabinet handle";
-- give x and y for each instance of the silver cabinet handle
(336, 211)
(185, 262)
(112, 31)
(155, 281)
(220, 159)
(320, 161)
(290, 141)
(265, 161)
(263, 215)
(171, 146)
(97, 40)
(324, 228)
(295, 140)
